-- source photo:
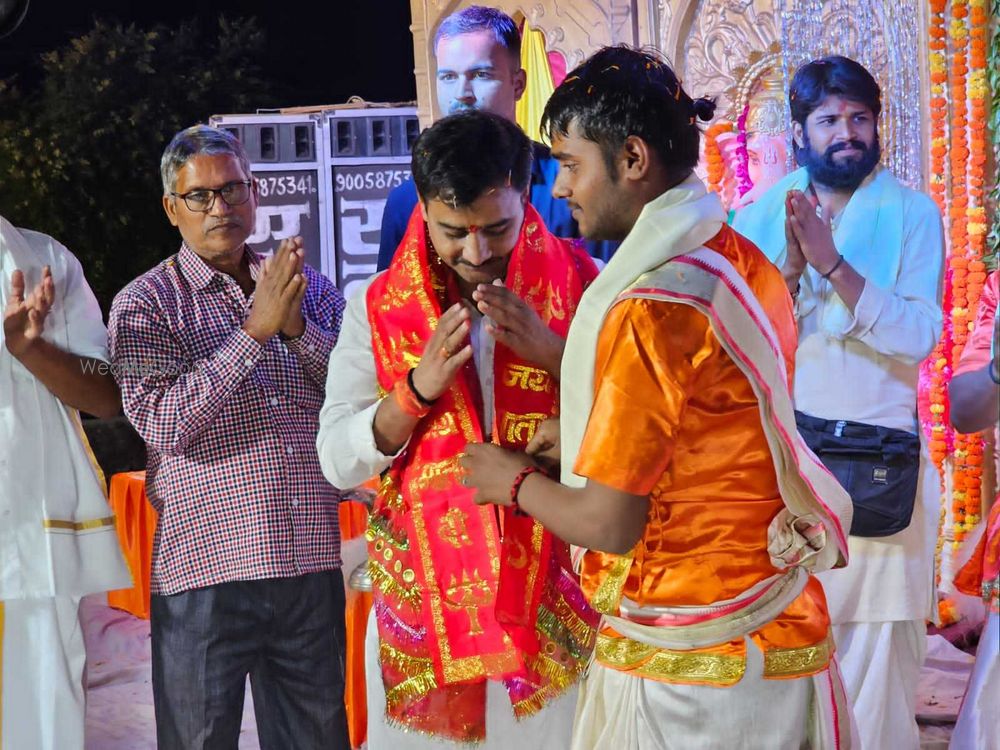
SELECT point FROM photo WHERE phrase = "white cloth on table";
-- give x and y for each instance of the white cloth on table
(978, 725)
(42, 705)
(549, 729)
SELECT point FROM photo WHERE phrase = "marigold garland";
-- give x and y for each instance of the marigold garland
(938, 365)
(713, 156)
(993, 64)
(970, 34)
(939, 433)
(960, 56)
(947, 612)
(956, 312)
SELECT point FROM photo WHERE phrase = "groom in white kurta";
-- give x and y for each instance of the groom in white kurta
(57, 534)
(862, 255)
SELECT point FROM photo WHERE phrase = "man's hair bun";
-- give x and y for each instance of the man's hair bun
(704, 109)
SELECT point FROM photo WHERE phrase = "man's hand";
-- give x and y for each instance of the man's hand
(795, 261)
(813, 232)
(295, 323)
(279, 285)
(24, 317)
(517, 326)
(446, 352)
(544, 447)
(491, 470)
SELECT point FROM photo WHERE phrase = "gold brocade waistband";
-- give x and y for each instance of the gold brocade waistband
(798, 662)
(707, 668)
(74, 526)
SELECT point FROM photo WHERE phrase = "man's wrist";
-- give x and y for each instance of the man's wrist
(255, 333)
(553, 365)
(515, 488)
(294, 332)
(792, 274)
(792, 281)
(832, 267)
(21, 347)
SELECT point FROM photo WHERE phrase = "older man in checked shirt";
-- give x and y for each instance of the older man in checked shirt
(222, 359)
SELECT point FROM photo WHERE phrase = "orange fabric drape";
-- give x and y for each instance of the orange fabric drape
(353, 522)
(135, 520)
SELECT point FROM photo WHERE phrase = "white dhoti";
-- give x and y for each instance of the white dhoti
(618, 711)
(880, 662)
(978, 726)
(549, 729)
(42, 700)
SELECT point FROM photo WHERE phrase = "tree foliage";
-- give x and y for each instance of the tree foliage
(79, 156)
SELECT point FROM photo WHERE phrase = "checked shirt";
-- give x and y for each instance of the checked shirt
(230, 425)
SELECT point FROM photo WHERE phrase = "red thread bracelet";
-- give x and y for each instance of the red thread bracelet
(516, 487)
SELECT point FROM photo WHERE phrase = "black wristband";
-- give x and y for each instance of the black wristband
(420, 398)
(993, 366)
(828, 274)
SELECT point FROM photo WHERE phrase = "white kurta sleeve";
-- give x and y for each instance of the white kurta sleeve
(75, 323)
(85, 331)
(346, 441)
(905, 323)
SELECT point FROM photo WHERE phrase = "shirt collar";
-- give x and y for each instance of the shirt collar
(201, 274)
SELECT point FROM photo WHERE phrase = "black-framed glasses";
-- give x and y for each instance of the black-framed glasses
(202, 200)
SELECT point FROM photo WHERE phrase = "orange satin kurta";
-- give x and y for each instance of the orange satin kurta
(674, 418)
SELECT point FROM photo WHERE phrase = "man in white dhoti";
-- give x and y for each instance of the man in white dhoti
(863, 256)
(57, 534)
(702, 513)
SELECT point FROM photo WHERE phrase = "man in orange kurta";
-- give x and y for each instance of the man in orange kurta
(675, 413)
(669, 404)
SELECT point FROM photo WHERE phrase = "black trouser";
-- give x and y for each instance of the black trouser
(286, 633)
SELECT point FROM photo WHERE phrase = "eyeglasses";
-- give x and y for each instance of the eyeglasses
(202, 200)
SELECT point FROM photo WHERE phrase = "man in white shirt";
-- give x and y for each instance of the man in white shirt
(458, 341)
(863, 257)
(57, 534)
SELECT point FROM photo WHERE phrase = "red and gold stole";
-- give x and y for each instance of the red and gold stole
(457, 601)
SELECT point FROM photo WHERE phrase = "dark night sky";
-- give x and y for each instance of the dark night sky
(320, 52)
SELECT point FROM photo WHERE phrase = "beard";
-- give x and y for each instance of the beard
(839, 175)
